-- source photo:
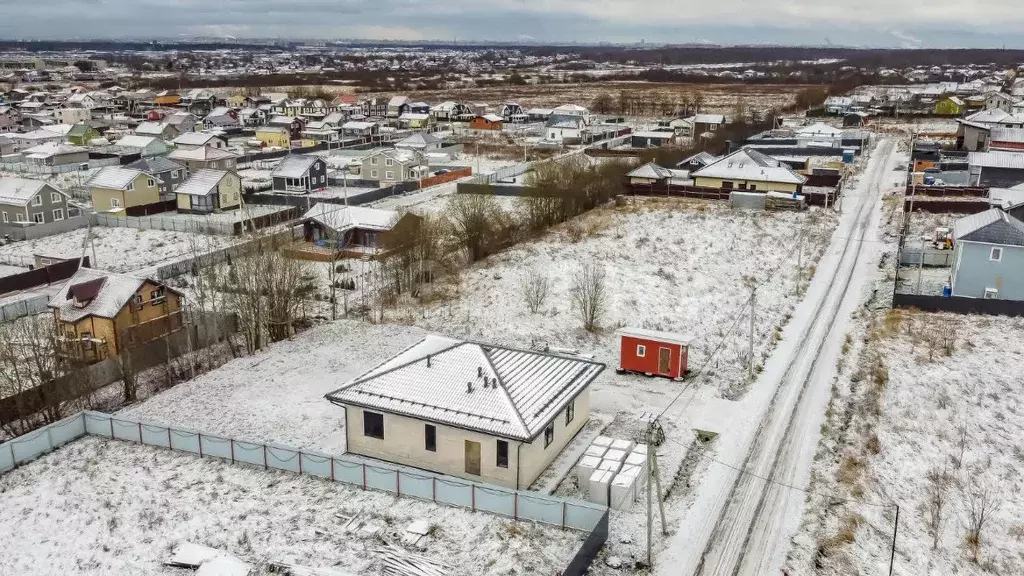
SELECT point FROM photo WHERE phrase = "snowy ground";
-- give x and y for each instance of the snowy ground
(920, 413)
(99, 507)
(117, 249)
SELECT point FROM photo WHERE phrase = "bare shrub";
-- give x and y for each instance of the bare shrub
(589, 295)
(936, 495)
(981, 502)
(534, 288)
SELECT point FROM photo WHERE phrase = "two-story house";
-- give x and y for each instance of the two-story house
(23, 200)
(193, 140)
(205, 157)
(988, 256)
(208, 191)
(117, 189)
(300, 173)
(100, 314)
(168, 173)
(392, 166)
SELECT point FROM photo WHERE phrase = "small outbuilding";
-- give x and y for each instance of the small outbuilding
(653, 353)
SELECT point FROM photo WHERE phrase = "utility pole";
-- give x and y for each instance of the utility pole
(653, 491)
(895, 528)
(753, 300)
(799, 261)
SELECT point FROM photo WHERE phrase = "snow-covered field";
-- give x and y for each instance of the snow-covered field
(913, 418)
(101, 507)
(116, 249)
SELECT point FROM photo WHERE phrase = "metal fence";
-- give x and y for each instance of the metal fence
(958, 304)
(33, 231)
(25, 307)
(913, 257)
(171, 224)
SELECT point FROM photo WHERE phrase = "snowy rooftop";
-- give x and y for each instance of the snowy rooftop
(502, 391)
(202, 153)
(342, 218)
(294, 166)
(116, 177)
(19, 191)
(202, 182)
(54, 149)
(1013, 160)
(992, 226)
(643, 333)
(651, 171)
(114, 291)
(194, 139)
(747, 164)
(154, 165)
(136, 141)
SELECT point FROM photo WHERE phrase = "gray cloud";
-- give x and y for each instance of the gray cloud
(899, 23)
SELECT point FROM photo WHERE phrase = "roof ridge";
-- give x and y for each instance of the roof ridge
(369, 376)
(501, 384)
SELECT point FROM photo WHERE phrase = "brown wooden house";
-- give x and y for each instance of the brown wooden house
(100, 314)
(355, 231)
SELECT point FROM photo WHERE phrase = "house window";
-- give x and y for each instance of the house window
(389, 175)
(373, 425)
(38, 218)
(641, 350)
(37, 200)
(502, 459)
(373, 173)
(389, 162)
(323, 179)
(5, 218)
(373, 160)
(175, 174)
(549, 434)
(19, 217)
(430, 437)
(151, 182)
(570, 411)
(54, 197)
(115, 202)
(157, 296)
(726, 185)
(58, 214)
(995, 255)
(131, 186)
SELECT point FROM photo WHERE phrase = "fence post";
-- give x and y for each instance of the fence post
(398, 482)
(13, 460)
(141, 441)
(364, 476)
(232, 442)
(300, 462)
(49, 437)
(433, 489)
(170, 445)
(200, 436)
(472, 491)
(515, 506)
(563, 514)
(110, 419)
(265, 457)
(332, 469)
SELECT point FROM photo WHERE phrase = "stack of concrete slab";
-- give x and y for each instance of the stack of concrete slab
(608, 471)
(629, 481)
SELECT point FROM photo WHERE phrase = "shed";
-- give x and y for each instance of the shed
(653, 353)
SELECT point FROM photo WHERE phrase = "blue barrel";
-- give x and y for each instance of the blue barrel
(947, 291)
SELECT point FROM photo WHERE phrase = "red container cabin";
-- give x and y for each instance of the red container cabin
(653, 353)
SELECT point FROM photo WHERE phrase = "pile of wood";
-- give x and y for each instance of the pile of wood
(781, 201)
(397, 562)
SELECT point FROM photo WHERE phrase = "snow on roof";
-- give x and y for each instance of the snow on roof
(115, 291)
(136, 141)
(54, 149)
(202, 183)
(40, 134)
(524, 389)
(194, 138)
(18, 191)
(417, 140)
(294, 166)
(1013, 160)
(398, 101)
(747, 164)
(343, 218)
(658, 335)
(154, 165)
(650, 171)
(151, 128)
(570, 109)
(994, 116)
(1003, 134)
(702, 158)
(414, 116)
(353, 125)
(1006, 198)
(819, 129)
(115, 177)
(202, 153)
(709, 119)
(992, 226)
(492, 117)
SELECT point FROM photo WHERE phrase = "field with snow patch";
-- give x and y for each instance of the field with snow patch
(934, 412)
(99, 507)
(117, 249)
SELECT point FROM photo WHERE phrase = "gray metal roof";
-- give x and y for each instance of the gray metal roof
(651, 171)
(202, 182)
(1013, 160)
(514, 393)
(1001, 134)
(114, 177)
(18, 191)
(155, 165)
(748, 164)
(992, 226)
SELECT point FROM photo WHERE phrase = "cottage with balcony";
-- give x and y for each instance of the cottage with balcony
(101, 314)
(300, 174)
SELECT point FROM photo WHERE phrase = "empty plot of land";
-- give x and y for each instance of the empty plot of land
(99, 507)
(115, 249)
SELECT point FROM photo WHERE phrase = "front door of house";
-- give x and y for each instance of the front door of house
(472, 457)
(664, 360)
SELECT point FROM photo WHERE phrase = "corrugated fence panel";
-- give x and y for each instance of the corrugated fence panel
(125, 430)
(249, 453)
(418, 486)
(156, 436)
(185, 441)
(348, 472)
(496, 501)
(380, 478)
(217, 447)
(454, 493)
(316, 465)
(541, 509)
(283, 459)
(67, 430)
(97, 424)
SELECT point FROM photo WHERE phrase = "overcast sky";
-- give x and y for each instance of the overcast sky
(891, 23)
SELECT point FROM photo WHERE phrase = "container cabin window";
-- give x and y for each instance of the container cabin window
(502, 459)
(641, 350)
(373, 425)
(996, 254)
(570, 411)
(430, 437)
(549, 434)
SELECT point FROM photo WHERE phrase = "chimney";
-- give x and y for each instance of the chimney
(469, 387)
(479, 371)
(428, 360)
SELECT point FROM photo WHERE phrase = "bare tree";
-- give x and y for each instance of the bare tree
(981, 503)
(936, 500)
(129, 376)
(534, 288)
(472, 219)
(589, 295)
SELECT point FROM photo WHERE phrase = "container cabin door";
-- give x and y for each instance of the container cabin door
(664, 360)
(472, 457)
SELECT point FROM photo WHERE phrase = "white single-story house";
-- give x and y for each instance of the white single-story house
(468, 409)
